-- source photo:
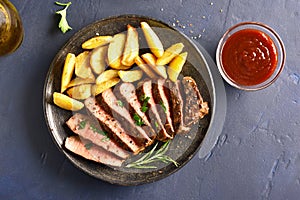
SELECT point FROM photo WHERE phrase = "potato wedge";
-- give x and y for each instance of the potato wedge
(152, 39)
(115, 51)
(82, 65)
(80, 81)
(162, 71)
(176, 65)
(97, 59)
(99, 88)
(141, 64)
(170, 53)
(131, 49)
(67, 103)
(131, 75)
(96, 41)
(150, 59)
(68, 71)
(80, 92)
(107, 75)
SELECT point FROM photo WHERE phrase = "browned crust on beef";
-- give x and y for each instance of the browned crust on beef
(83, 126)
(86, 149)
(195, 108)
(126, 92)
(121, 114)
(156, 120)
(161, 95)
(176, 104)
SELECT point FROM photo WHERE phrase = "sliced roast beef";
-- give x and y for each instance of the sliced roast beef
(161, 95)
(145, 92)
(88, 150)
(176, 104)
(194, 108)
(120, 113)
(112, 125)
(84, 127)
(126, 92)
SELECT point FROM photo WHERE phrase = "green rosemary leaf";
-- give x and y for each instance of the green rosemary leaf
(152, 157)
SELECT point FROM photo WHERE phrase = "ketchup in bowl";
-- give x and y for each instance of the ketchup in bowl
(250, 56)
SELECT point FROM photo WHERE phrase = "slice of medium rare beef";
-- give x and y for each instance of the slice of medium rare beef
(161, 95)
(145, 92)
(126, 92)
(112, 125)
(84, 127)
(121, 114)
(176, 107)
(90, 151)
(194, 106)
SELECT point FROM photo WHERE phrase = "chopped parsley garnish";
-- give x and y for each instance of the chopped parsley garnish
(138, 120)
(144, 107)
(163, 106)
(82, 124)
(101, 132)
(156, 124)
(142, 98)
(88, 145)
(120, 103)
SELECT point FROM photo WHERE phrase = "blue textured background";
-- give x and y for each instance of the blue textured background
(256, 157)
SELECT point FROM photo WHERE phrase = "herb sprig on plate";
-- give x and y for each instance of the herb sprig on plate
(152, 157)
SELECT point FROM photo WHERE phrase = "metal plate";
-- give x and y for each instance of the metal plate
(182, 148)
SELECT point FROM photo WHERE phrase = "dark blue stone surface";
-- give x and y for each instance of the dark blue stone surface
(257, 155)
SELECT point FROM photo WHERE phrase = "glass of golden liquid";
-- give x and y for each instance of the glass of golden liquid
(11, 29)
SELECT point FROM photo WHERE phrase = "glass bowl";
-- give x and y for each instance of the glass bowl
(267, 32)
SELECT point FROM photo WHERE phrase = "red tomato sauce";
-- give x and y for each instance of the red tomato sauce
(249, 57)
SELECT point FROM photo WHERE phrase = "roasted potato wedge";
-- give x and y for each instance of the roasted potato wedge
(152, 39)
(107, 75)
(131, 49)
(80, 92)
(68, 71)
(80, 81)
(162, 71)
(176, 65)
(131, 75)
(150, 59)
(65, 102)
(115, 51)
(98, 59)
(96, 41)
(141, 64)
(170, 53)
(82, 65)
(99, 88)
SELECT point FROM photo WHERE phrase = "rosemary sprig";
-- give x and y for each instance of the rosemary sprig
(151, 157)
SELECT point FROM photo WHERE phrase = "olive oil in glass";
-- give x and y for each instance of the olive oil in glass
(11, 29)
